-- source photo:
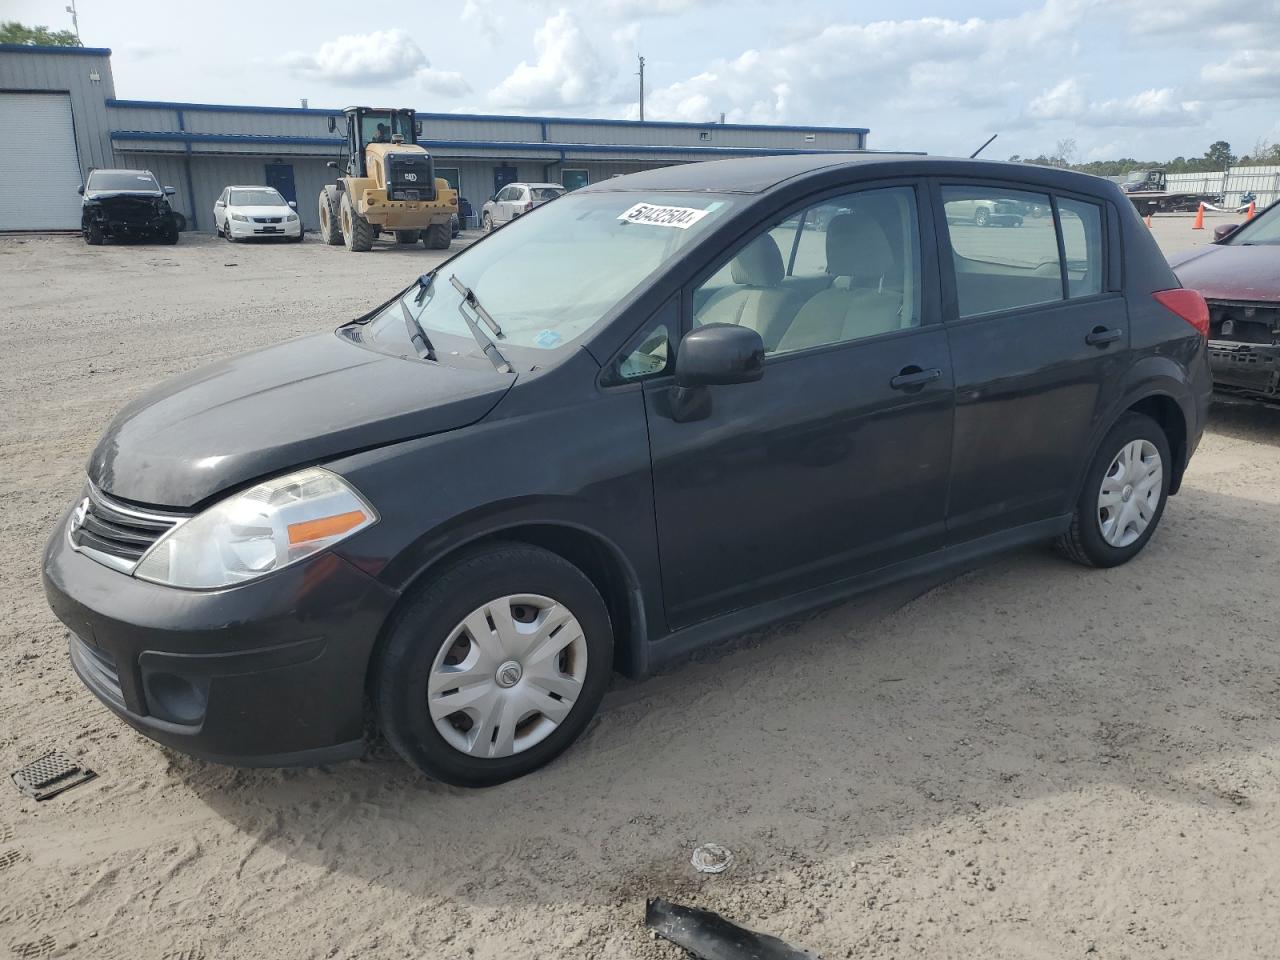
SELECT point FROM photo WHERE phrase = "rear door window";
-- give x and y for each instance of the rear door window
(1004, 247)
(1082, 244)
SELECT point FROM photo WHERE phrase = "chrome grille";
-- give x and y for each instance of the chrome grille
(114, 533)
(267, 219)
(98, 669)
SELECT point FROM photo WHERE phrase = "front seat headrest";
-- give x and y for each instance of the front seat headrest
(858, 247)
(759, 264)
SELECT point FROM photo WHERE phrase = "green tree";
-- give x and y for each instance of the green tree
(1219, 155)
(13, 32)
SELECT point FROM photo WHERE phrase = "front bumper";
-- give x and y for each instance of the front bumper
(241, 230)
(268, 673)
(1250, 367)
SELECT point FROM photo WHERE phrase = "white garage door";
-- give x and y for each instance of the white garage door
(38, 160)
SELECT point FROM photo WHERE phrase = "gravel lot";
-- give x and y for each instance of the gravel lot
(1025, 760)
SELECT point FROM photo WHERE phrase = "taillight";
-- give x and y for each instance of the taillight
(1189, 305)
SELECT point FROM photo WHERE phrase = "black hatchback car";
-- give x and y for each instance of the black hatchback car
(126, 205)
(661, 411)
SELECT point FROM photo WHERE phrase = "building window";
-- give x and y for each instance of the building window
(704, 135)
(810, 137)
(573, 179)
(449, 175)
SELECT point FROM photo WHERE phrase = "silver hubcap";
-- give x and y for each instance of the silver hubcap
(1130, 493)
(507, 676)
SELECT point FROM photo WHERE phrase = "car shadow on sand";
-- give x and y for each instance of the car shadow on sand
(891, 715)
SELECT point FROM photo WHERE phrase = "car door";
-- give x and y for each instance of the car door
(1039, 335)
(836, 461)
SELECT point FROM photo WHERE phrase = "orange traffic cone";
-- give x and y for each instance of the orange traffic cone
(1148, 220)
(1249, 213)
(1199, 224)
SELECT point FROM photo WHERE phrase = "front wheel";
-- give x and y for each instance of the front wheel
(93, 235)
(1124, 495)
(488, 223)
(495, 667)
(437, 237)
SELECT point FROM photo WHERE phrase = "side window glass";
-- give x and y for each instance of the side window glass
(841, 270)
(645, 356)
(1005, 248)
(1082, 244)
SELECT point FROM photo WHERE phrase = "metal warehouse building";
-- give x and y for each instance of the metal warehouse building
(59, 118)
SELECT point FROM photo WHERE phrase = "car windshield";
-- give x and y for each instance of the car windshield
(263, 197)
(122, 180)
(550, 277)
(1263, 229)
(546, 193)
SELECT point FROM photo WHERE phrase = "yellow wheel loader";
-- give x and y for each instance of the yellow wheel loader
(390, 185)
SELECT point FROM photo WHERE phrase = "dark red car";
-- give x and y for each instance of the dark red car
(1239, 275)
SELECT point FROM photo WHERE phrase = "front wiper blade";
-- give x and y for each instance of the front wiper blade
(469, 298)
(417, 336)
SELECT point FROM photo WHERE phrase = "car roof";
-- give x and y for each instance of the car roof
(534, 183)
(250, 186)
(118, 170)
(761, 174)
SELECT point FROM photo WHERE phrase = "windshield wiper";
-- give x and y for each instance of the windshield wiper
(488, 346)
(469, 298)
(424, 287)
(417, 336)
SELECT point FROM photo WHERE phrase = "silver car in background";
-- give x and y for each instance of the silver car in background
(515, 199)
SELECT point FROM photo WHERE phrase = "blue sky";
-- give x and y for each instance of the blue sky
(1119, 77)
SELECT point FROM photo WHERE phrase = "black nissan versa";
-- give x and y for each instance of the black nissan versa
(665, 409)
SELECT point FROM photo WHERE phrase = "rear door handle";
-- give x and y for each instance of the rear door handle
(1101, 336)
(913, 376)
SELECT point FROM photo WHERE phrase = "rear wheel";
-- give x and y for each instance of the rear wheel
(406, 236)
(495, 667)
(357, 232)
(330, 228)
(981, 217)
(438, 236)
(1124, 495)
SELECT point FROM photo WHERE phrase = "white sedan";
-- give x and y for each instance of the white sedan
(243, 212)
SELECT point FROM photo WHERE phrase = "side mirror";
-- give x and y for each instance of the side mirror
(80, 189)
(333, 124)
(294, 204)
(1224, 231)
(333, 164)
(719, 353)
(169, 191)
(219, 203)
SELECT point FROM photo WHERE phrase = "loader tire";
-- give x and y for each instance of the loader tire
(438, 236)
(357, 232)
(330, 225)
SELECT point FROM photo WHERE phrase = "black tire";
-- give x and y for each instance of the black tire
(437, 237)
(357, 232)
(170, 236)
(981, 216)
(1084, 542)
(407, 236)
(93, 235)
(403, 665)
(330, 227)
(302, 234)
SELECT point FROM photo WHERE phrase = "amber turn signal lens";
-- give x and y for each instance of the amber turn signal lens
(324, 527)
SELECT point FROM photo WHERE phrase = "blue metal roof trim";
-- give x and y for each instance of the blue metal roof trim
(591, 121)
(64, 51)
(509, 145)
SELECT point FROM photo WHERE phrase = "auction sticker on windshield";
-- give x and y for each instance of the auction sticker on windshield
(658, 216)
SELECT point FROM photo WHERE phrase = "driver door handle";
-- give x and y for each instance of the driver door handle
(913, 376)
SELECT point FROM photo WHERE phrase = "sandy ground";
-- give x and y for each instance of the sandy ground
(1025, 760)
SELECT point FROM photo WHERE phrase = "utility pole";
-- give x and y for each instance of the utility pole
(641, 73)
(75, 22)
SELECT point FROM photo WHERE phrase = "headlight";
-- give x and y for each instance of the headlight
(292, 217)
(260, 530)
(240, 216)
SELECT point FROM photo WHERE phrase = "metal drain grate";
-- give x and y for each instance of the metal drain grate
(50, 775)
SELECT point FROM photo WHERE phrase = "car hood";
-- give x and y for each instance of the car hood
(1231, 272)
(262, 413)
(122, 195)
(273, 211)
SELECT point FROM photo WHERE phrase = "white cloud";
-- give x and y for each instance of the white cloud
(1246, 75)
(1066, 103)
(373, 59)
(568, 70)
(485, 18)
